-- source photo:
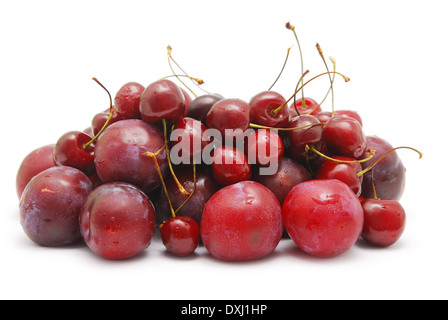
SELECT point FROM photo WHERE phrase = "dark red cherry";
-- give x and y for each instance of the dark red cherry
(344, 136)
(34, 163)
(230, 165)
(389, 174)
(127, 100)
(206, 186)
(265, 148)
(201, 105)
(180, 235)
(162, 99)
(288, 174)
(264, 106)
(231, 115)
(188, 140)
(310, 134)
(51, 203)
(311, 107)
(345, 172)
(117, 221)
(351, 114)
(323, 116)
(100, 119)
(384, 221)
(242, 222)
(70, 151)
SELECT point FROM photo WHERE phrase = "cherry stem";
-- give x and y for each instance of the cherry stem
(383, 156)
(293, 29)
(277, 110)
(257, 126)
(283, 68)
(319, 49)
(370, 151)
(111, 112)
(196, 80)
(191, 193)
(154, 156)
(347, 79)
(179, 185)
(375, 196)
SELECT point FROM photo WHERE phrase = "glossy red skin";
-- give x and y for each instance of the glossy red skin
(260, 144)
(344, 136)
(384, 221)
(50, 206)
(389, 174)
(119, 154)
(229, 114)
(345, 172)
(180, 235)
(242, 222)
(193, 130)
(188, 100)
(201, 105)
(324, 116)
(206, 186)
(310, 107)
(127, 100)
(263, 104)
(323, 217)
(117, 221)
(70, 151)
(34, 163)
(230, 165)
(289, 174)
(299, 138)
(162, 99)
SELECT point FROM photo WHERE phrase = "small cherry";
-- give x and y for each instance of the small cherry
(230, 165)
(264, 106)
(180, 235)
(127, 100)
(201, 105)
(265, 148)
(310, 134)
(188, 139)
(309, 106)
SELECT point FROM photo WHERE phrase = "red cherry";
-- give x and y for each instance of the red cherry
(345, 172)
(264, 105)
(70, 151)
(311, 107)
(230, 165)
(201, 105)
(384, 221)
(162, 99)
(323, 217)
(180, 235)
(344, 136)
(349, 113)
(191, 139)
(34, 163)
(265, 148)
(310, 134)
(242, 222)
(229, 114)
(100, 119)
(127, 100)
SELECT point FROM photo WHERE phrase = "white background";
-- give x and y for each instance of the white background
(395, 53)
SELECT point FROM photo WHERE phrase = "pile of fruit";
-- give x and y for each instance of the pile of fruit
(234, 176)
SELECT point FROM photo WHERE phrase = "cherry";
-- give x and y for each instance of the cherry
(100, 119)
(180, 235)
(120, 154)
(117, 221)
(188, 100)
(264, 107)
(162, 99)
(231, 115)
(51, 203)
(310, 107)
(71, 150)
(201, 105)
(200, 191)
(310, 134)
(127, 100)
(190, 138)
(384, 221)
(230, 165)
(242, 222)
(346, 172)
(288, 174)
(344, 136)
(265, 148)
(351, 114)
(34, 163)
(389, 174)
(323, 217)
